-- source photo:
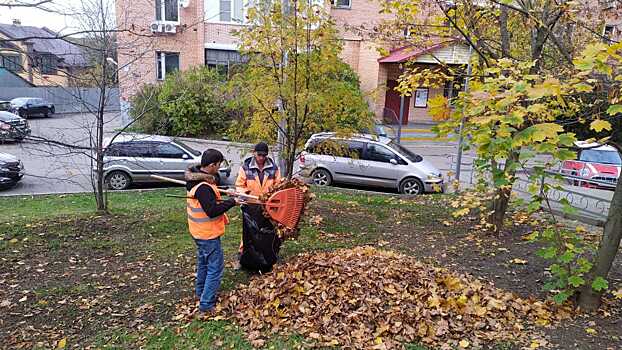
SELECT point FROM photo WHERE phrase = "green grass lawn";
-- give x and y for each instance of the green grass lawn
(117, 281)
(146, 229)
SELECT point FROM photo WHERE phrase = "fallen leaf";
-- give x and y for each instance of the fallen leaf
(464, 343)
(519, 261)
(590, 331)
(61, 343)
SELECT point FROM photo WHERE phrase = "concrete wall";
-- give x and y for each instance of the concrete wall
(66, 100)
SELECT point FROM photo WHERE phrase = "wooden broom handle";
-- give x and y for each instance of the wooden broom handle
(237, 194)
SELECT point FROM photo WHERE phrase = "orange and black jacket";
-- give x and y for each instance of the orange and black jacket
(255, 182)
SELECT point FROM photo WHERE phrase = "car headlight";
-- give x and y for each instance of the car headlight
(4, 126)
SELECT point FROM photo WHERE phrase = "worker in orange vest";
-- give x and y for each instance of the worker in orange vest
(257, 173)
(256, 176)
(206, 222)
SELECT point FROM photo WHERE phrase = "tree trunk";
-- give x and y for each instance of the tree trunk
(502, 196)
(503, 30)
(589, 299)
(100, 195)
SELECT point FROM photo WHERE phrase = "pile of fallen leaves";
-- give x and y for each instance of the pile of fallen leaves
(284, 232)
(365, 298)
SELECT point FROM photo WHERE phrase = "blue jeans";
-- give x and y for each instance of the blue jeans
(210, 267)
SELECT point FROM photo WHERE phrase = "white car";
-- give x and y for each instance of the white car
(370, 161)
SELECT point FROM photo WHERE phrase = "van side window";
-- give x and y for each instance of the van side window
(330, 147)
(355, 149)
(379, 153)
(167, 150)
(118, 149)
(142, 149)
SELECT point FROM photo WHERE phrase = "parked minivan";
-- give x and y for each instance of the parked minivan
(370, 161)
(134, 158)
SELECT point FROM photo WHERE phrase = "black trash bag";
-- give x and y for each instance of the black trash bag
(261, 244)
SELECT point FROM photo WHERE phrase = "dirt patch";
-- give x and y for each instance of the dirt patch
(75, 278)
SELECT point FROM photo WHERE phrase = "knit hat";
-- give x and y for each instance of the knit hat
(211, 156)
(261, 148)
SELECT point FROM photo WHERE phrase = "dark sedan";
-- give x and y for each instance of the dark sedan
(5, 106)
(11, 170)
(13, 127)
(31, 106)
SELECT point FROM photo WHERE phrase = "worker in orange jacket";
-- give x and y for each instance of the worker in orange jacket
(256, 176)
(257, 173)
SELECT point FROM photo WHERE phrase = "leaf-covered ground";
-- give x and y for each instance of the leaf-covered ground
(75, 280)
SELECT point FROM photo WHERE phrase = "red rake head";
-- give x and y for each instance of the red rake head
(285, 207)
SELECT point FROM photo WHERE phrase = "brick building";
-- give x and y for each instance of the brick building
(178, 34)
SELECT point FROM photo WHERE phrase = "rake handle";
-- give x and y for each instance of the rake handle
(253, 199)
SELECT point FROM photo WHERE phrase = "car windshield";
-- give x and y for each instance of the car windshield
(405, 152)
(188, 148)
(37, 101)
(604, 157)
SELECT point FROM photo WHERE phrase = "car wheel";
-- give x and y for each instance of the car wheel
(412, 186)
(321, 177)
(118, 180)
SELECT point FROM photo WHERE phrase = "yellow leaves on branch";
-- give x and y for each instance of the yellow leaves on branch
(366, 298)
(599, 125)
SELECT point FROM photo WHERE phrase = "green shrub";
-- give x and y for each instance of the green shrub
(145, 110)
(193, 103)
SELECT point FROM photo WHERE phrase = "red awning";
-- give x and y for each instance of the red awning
(407, 53)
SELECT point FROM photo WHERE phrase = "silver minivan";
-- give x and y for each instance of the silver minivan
(134, 158)
(367, 160)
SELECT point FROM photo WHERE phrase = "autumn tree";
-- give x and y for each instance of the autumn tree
(293, 75)
(503, 36)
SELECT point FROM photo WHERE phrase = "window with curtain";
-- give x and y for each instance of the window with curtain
(167, 10)
(222, 60)
(341, 3)
(167, 63)
(230, 11)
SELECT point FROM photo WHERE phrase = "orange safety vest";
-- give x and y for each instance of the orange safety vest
(200, 225)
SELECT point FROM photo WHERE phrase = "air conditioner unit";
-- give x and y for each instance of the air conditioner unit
(156, 27)
(184, 3)
(170, 28)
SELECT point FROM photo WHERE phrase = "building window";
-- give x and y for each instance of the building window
(342, 4)
(12, 63)
(421, 97)
(167, 63)
(167, 10)
(230, 11)
(47, 64)
(608, 32)
(222, 60)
